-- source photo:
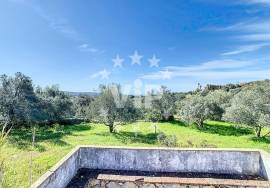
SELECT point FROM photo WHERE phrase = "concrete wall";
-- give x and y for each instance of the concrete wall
(157, 160)
(265, 165)
(61, 174)
(230, 161)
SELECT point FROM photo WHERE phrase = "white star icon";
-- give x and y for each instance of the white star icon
(104, 74)
(166, 75)
(154, 61)
(117, 61)
(136, 58)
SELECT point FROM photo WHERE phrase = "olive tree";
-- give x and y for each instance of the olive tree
(112, 106)
(81, 105)
(250, 107)
(167, 104)
(221, 100)
(18, 102)
(162, 106)
(56, 105)
(196, 109)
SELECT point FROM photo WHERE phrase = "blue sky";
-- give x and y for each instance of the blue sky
(74, 43)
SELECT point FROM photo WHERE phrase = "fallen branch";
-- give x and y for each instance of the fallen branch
(267, 134)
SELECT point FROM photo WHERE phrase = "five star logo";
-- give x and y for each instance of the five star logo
(117, 61)
(136, 58)
(154, 61)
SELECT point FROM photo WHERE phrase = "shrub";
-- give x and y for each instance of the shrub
(167, 140)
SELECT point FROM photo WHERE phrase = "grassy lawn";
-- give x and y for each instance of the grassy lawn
(53, 144)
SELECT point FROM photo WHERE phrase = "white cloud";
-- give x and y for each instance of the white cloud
(264, 2)
(215, 70)
(104, 74)
(251, 26)
(215, 64)
(246, 48)
(256, 32)
(256, 37)
(58, 24)
(87, 48)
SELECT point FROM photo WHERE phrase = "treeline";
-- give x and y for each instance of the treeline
(23, 105)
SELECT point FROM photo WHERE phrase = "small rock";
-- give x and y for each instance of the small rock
(172, 186)
(148, 186)
(113, 185)
(128, 185)
(159, 185)
(102, 184)
(93, 183)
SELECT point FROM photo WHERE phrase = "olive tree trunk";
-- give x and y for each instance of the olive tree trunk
(258, 131)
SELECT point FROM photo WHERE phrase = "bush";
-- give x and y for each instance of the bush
(167, 140)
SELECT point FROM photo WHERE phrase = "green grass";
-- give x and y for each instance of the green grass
(53, 144)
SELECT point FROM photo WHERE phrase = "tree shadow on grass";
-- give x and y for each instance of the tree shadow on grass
(22, 138)
(265, 140)
(131, 137)
(176, 122)
(216, 128)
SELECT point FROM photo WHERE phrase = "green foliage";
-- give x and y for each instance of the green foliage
(55, 104)
(112, 106)
(251, 107)
(220, 100)
(167, 140)
(196, 109)
(81, 105)
(21, 106)
(162, 106)
(18, 102)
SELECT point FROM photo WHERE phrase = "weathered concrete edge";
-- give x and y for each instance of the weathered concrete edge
(265, 160)
(166, 148)
(45, 177)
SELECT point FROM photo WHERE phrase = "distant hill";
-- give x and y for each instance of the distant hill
(228, 87)
(210, 87)
(75, 94)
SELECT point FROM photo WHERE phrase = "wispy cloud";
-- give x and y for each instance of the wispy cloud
(253, 30)
(246, 48)
(255, 37)
(88, 48)
(215, 70)
(103, 74)
(256, 32)
(60, 25)
(263, 2)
